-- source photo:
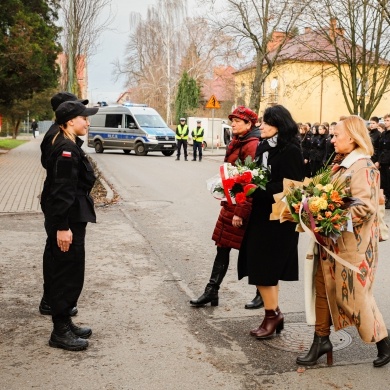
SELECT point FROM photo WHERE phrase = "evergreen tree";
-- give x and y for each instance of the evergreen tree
(28, 51)
(187, 98)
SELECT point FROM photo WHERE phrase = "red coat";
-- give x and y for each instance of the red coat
(225, 234)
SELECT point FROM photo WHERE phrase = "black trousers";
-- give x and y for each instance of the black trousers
(197, 147)
(181, 142)
(385, 179)
(67, 272)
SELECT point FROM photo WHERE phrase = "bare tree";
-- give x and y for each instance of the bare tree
(261, 28)
(82, 26)
(357, 36)
(160, 49)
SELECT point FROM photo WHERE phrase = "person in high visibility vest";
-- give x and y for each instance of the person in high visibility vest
(182, 138)
(197, 137)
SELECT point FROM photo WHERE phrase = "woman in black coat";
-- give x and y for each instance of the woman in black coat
(269, 251)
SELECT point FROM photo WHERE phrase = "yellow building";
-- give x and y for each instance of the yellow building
(302, 82)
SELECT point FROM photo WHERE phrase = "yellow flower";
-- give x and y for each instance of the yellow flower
(328, 187)
(322, 204)
(319, 186)
(316, 204)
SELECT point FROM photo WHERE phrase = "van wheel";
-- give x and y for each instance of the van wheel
(204, 145)
(140, 149)
(98, 147)
(126, 151)
(168, 152)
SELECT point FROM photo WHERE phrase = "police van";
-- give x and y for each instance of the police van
(130, 127)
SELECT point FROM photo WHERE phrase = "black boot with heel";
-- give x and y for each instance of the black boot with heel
(256, 302)
(220, 267)
(383, 352)
(321, 346)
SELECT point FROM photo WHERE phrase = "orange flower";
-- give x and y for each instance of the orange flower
(328, 214)
(331, 206)
(320, 217)
(337, 226)
(335, 196)
(324, 196)
(335, 218)
(297, 207)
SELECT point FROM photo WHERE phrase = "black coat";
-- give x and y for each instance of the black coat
(70, 178)
(269, 251)
(384, 148)
(375, 136)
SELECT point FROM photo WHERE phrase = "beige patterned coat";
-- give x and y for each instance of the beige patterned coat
(350, 294)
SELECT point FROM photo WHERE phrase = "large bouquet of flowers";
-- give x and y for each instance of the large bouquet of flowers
(321, 204)
(236, 182)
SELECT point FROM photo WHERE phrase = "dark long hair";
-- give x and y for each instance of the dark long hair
(281, 118)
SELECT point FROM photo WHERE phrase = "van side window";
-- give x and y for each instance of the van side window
(130, 122)
(114, 120)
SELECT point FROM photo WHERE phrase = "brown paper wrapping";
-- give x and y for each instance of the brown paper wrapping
(280, 209)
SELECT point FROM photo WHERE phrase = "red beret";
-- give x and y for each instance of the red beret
(244, 113)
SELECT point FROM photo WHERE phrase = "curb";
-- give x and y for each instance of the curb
(110, 192)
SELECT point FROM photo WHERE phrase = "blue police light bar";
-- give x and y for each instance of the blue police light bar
(127, 104)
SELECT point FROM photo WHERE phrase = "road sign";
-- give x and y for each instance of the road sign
(213, 103)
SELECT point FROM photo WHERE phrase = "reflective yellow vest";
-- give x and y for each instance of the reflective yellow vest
(182, 132)
(197, 134)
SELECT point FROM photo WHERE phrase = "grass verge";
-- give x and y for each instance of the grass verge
(10, 143)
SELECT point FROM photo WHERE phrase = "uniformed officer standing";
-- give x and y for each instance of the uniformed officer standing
(181, 138)
(68, 209)
(197, 138)
(46, 149)
(383, 162)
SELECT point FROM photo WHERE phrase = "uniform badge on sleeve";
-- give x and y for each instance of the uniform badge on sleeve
(66, 154)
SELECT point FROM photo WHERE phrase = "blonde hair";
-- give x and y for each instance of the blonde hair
(65, 131)
(356, 129)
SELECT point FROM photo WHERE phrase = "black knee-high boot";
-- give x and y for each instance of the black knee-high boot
(221, 264)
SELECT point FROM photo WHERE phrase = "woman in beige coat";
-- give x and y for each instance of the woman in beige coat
(345, 297)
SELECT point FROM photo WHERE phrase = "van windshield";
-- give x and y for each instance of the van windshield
(150, 121)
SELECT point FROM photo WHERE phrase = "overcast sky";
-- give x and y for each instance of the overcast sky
(102, 85)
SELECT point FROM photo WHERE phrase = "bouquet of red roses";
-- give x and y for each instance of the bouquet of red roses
(236, 182)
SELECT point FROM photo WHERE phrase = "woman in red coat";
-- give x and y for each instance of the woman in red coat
(230, 227)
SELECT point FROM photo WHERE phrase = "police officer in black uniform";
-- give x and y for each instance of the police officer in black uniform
(68, 208)
(46, 149)
(383, 162)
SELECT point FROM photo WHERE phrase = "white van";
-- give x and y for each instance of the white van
(130, 127)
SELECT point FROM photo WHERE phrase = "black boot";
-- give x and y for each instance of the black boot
(83, 333)
(387, 204)
(321, 345)
(63, 337)
(256, 302)
(44, 308)
(221, 264)
(383, 352)
(177, 158)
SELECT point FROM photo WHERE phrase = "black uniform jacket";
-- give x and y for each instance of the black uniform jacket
(70, 178)
(384, 148)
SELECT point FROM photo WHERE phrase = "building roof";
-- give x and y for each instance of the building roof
(311, 46)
